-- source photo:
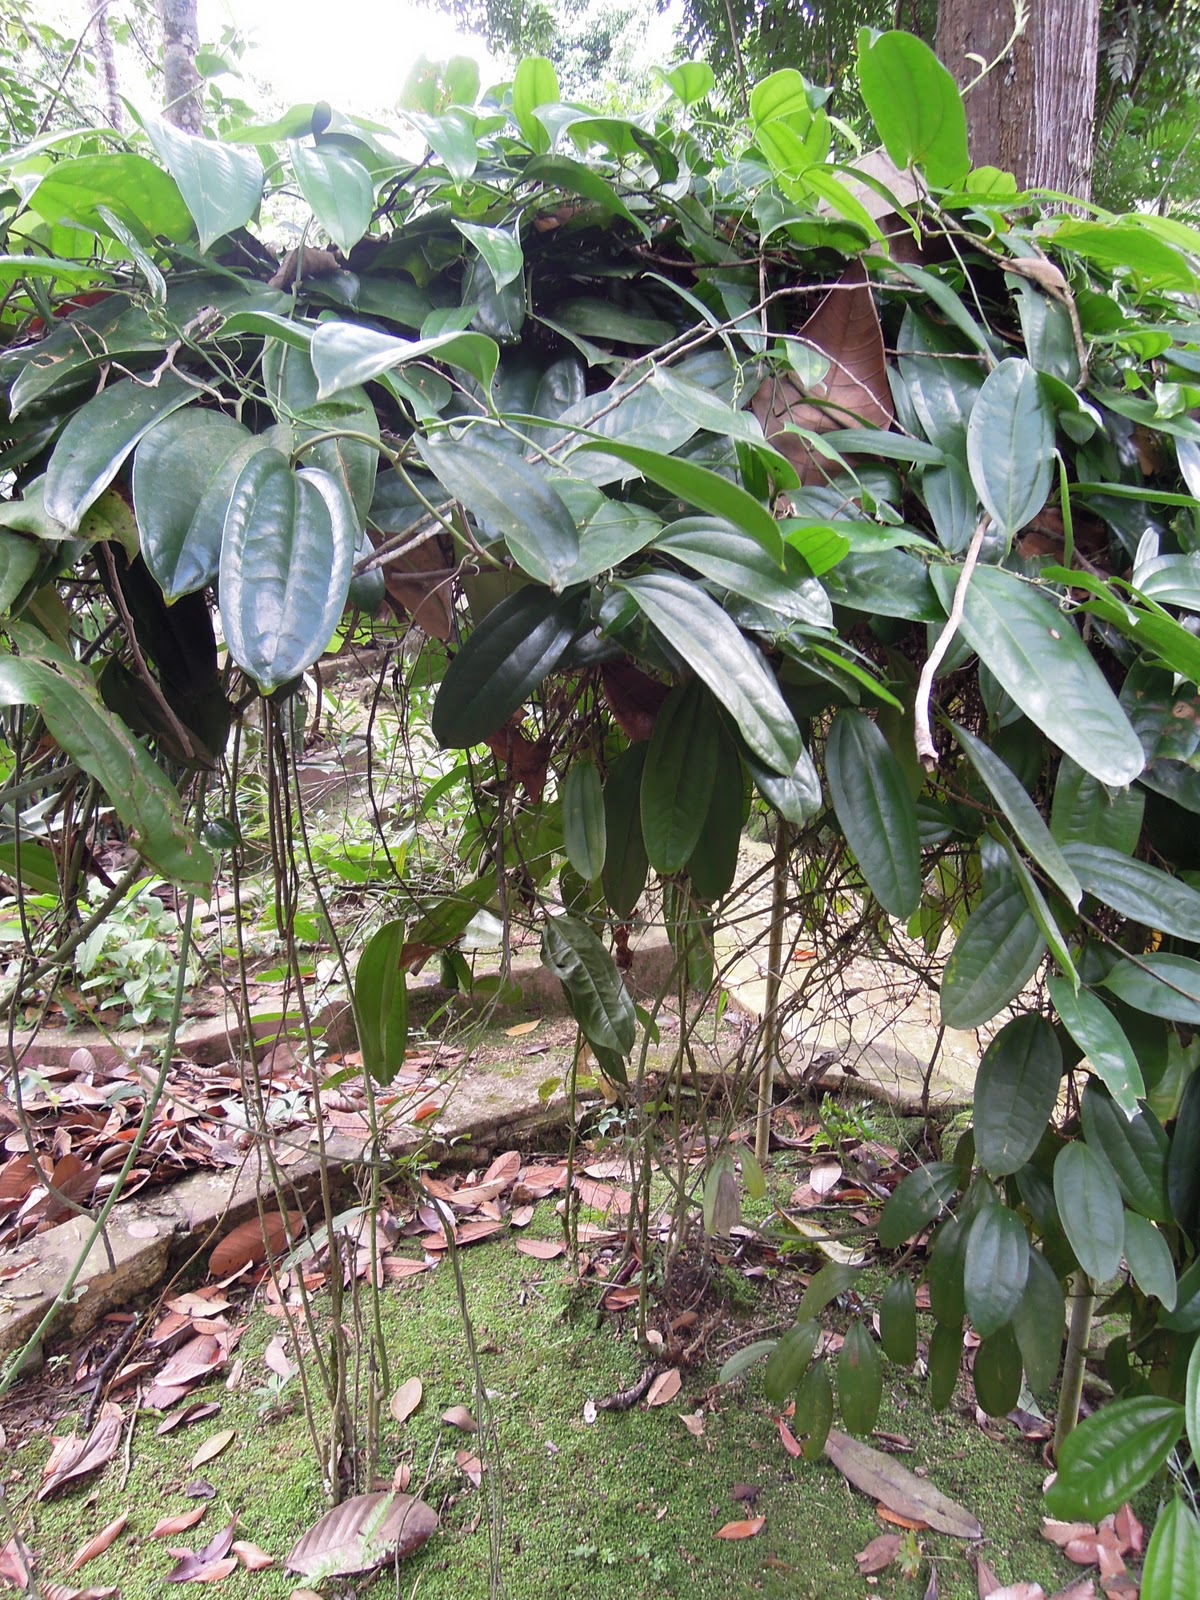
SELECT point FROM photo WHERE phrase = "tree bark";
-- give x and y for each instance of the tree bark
(108, 71)
(181, 81)
(1033, 114)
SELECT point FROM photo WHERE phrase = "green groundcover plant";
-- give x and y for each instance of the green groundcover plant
(734, 465)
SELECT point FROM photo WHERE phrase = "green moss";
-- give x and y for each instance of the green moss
(624, 1508)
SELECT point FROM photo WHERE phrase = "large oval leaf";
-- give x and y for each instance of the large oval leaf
(1137, 890)
(898, 1321)
(584, 837)
(788, 1362)
(1135, 1147)
(625, 863)
(997, 1373)
(286, 560)
(915, 1201)
(678, 778)
(501, 664)
(797, 797)
(915, 105)
(1111, 1454)
(1148, 1257)
(1010, 445)
(338, 189)
(737, 561)
(860, 1379)
(1016, 1089)
(220, 184)
(993, 959)
(1102, 1039)
(715, 649)
(381, 1003)
(875, 808)
(361, 1534)
(1039, 1322)
(1084, 808)
(1172, 1567)
(345, 354)
(1183, 1162)
(995, 1268)
(1090, 1209)
(598, 999)
(1162, 985)
(712, 865)
(1040, 661)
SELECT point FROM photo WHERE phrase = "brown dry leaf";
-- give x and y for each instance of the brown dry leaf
(619, 1298)
(634, 698)
(693, 1421)
(253, 1241)
(742, 1530)
(198, 1566)
(1061, 1533)
(1081, 1589)
(470, 1465)
(406, 1399)
(98, 1543)
(522, 1216)
(824, 1178)
(276, 1357)
(887, 1481)
(985, 1579)
(879, 1554)
(402, 1477)
(886, 1514)
(425, 594)
(309, 263)
(1018, 1591)
(541, 1249)
(460, 1417)
(16, 1562)
(1130, 1532)
(787, 1438)
(525, 760)
(603, 1196)
(213, 1447)
(665, 1387)
(1108, 1551)
(1084, 1551)
(361, 1534)
(522, 1028)
(74, 1458)
(505, 1168)
(252, 1557)
(179, 1523)
(397, 1268)
(65, 1591)
(855, 392)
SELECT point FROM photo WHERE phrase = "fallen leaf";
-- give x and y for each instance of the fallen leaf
(879, 1554)
(541, 1249)
(362, 1533)
(1061, 1533)
(460, 1417)
(179, 1523)
(1083, 1551)
(16, 1562)
(251, 1242)
(665, 1387)
(277, 1358)
(1129, 1531)
(406, 1399)
(887, 1481)
(589, 1411)
(199, 1566)
(213, 1447)
(195, 1412)
(619, 1299)
(522, 1028)
(742, 1530)
(98, 1543)
(693, 1421)
(505, 1167)
(470, 1465)
(522, 1216)
(825, 1177)
(1081, 1589)
(1018, 1591)
(886, 1514)
(251, 1556)
(401, 1477)
(74, 1458)
(745, 1493)
(985, 1579)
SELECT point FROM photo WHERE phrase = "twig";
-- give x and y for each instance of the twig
(926, 749)
(106, 1369)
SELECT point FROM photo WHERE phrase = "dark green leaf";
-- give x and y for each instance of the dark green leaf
(797, 798)
(814, 1410)
(1135, 1147)
(916, 1201)
(338, 189)
(598, 999)
(898, 1322)
(1101, 1038)
(713, 864)
(945, 1360)
(875, 808)
(678, 778)
(625, 863)
(1172, 1566)
(993, 959)
(1162, 985)
(1090, 1208)
(583, 820)
(141, 194)
(345, 354)
(1111, 1455)
(1039, 1323)
(1137, 890)
(947, 1259)
(34, 865)
(502, 662)
(997, 1373)
(788, 1362)
(737, 561)
(381, 1003)
(1016, 1090)
(744, 1359)
(995, 1269)
(1084, 809)
(221, 185)
(452, 139)
(860, 1379)
(834, 1278)
(1148, 1257)
(1010, 445)
(1183, 1163)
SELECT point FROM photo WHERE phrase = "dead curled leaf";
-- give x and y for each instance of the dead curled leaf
(879, 1554)
(74, 1458)
(665, 1387)
(460, 1417)
(207, 1565)
(541, 1249)
(470, 1466)
(742, 1530)
(252, 1557)
(250, 1243)
(98, 1543)
(361, 1534)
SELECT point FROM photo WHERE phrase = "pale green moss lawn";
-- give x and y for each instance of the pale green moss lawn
(624, 1508)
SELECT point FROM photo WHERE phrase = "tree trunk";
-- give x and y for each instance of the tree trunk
(181, 81)
(108, 71)
(1033, 114)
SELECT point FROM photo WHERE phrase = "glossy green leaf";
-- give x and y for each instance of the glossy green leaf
(505, 658)
(345, 354)
(515, 501)
(715, 649)
(1137, 890)
(1161, 985)
(997, 1373)
(95, 442)
(915, 105)
(1084, 809)
(381, 1003)
(1023, 816)
(446, 918)
(140, 193)
(742, 1360)
(944, 1271)
(1039, 1323)
(1036, 654)
(1111, 1455)
(338, 190)
(691, 81)
(1016, 1089)
(221, 185)
(34, 865)
(797, 797)
(452, 139)
(1124, 242)
(625, 862)
(500, 249)
(945, 1363)
(943, 379)
(574, 178)
(1148, 1257)
(735, 560)
(898, 1322)
(814, 1410)
(860, 1379)
(184, 471)
(1172, 1567)
(993, 959)
(1010, 445)
(598, 999)
(713, 864)
(584, 835)
(1183, 1162)
(833, 1279)
(916, 1200)
(788, 1362)
(1135, 1147)
(995, 1268)
(1101, 1038)
(67, 700)
(1090, 1209)
(20, 558)
(678, 778)
(1192, 1401)
(535, 84)
(286, 558)
(339, 435)
(875, 808)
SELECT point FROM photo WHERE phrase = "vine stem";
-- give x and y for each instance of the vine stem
(1079, 1334)
(926, 749)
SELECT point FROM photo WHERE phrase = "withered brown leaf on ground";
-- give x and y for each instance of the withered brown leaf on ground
(252, 1556)
(361, 1534)
(206, 1565)
(879, 1554)
(665, 1387)
(742, 1530)
(251, 1242)
(167, 1527)
(887, 1481)
(16, 1562)
(460, 1417)
(470, 1465)
(213, 1447)
(75, 1458)
(98, 1543)
(406, 1399)
(541, 1249)
(195, 1412)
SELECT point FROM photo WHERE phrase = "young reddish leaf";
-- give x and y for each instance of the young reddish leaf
(406, 1399)
(664, 1388)
(742, 1530)
(179, 1523)
(460, 1417)
(251, 1556)
(879, 1554)
(470, 1465)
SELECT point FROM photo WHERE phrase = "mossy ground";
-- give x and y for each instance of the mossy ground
(624, 1508)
